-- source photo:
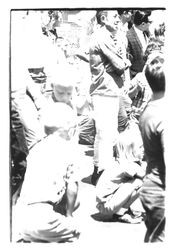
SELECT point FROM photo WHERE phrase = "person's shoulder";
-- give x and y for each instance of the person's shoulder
(93, 40)
(98, 34)
(153, 113)
(145, 114)
(98, 38)
(37, 149)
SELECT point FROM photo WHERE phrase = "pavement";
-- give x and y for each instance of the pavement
(97, 231)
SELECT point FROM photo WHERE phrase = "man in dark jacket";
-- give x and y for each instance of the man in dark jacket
(137, 40)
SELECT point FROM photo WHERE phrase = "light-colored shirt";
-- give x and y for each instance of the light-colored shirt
(106, 65)
(111, 179)
(142, 37)
(47, 165)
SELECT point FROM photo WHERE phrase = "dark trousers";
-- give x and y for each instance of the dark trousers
(153, 201)
(19, 151)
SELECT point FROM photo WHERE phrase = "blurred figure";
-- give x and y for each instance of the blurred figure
(45, 210)
(141, 93)
(25, 93)
(125, 17)
(153, 133)
(19, 152)
(158, 27)
(64, 83)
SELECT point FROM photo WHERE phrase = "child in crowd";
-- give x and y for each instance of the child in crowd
(64, 89)
(44, 212)
(118, 187)
(65, 82)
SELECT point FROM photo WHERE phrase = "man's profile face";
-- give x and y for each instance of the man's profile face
(147, 25)
(111, 20)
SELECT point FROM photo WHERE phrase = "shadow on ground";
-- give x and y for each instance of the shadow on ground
(87, 180)
(102, 218)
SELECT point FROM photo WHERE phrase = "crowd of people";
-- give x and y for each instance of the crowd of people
(110, 96)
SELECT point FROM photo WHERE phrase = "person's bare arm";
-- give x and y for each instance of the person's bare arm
(71, 189)
(116, 61)
(71, 194)
(134, 170)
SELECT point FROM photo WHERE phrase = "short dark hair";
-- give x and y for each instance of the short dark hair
(155, 74)
(141, 16)
(99, 14)
(123, 11)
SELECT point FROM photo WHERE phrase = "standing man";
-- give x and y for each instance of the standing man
(152, 129)
(137, 40)
(107, 67)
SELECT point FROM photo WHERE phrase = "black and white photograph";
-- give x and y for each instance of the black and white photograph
(89, 126)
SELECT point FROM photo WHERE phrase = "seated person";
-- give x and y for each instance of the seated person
(62, 87)
(118, 187)
(64, 90)
(28, 101)
(141, 97)
(45, 209)
(141, 92)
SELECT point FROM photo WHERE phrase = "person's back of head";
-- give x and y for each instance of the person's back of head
(155, 75)
(99, 16)
(141, 16)
(125, 15)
